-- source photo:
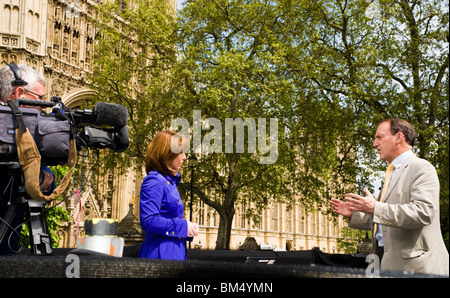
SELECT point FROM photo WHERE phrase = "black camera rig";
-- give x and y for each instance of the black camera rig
(103, 127)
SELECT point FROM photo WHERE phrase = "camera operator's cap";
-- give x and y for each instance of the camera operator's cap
(17, 75)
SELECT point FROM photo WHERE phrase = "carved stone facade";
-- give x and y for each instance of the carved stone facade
(56, 38)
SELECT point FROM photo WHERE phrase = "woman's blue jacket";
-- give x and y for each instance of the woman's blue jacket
(161, 217)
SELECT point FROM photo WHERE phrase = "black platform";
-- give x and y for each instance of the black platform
(200, 264)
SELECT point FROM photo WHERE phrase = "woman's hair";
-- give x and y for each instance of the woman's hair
(163, 149)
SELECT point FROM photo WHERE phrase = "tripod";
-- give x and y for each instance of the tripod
(34, 213)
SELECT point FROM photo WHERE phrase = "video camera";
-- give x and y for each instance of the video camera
(104, 126)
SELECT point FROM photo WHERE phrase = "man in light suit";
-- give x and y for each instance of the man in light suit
(405, 222)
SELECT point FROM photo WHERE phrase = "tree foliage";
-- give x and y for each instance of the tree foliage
(232, 71)
(327, 71)
(386, 58)
(133, 65)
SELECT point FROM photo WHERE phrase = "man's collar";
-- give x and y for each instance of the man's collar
(399, 160)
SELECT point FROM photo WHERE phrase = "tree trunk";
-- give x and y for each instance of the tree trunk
(224, 233)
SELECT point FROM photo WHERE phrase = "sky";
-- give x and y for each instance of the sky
(180, 4)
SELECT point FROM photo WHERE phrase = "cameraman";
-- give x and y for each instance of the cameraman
(32, 87)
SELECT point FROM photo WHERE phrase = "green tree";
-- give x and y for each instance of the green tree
(233, 64)
(328, 71)
(383, 58)
(229, 73)
(132, 67)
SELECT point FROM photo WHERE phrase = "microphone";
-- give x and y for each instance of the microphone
(110, 114)
(102, 114)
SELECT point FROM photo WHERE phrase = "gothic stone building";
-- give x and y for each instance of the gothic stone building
(56, 38)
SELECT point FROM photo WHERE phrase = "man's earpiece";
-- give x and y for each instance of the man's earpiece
(17, 75)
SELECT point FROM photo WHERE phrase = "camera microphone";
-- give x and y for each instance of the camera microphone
(102, 114)
(110, 114)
